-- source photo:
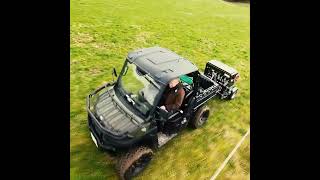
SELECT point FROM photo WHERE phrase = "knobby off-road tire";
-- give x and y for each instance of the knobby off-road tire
(133, 162)
(200, 117)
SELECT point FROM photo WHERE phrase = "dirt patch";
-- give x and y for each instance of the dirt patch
(99, 46)
(74, 61)
(143, 37)
(80, 39)
(103, 45)
(94, 71)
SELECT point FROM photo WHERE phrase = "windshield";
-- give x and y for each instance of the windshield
(139, 88)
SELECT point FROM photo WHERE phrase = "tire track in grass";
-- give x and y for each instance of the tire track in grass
(229, 156)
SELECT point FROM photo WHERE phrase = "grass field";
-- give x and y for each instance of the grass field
(103, 31)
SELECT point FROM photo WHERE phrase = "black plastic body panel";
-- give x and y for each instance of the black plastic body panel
(111, 142)
(205, 88)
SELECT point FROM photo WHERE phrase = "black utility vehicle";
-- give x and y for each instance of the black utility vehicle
(124, 116)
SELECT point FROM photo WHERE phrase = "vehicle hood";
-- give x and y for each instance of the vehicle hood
(114, 116)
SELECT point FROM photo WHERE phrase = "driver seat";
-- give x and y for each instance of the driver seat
(186, 99)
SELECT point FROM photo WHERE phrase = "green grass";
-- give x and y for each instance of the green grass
(104, 31)
(238, 167)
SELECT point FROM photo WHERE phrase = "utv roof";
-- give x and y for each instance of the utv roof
(162, 64)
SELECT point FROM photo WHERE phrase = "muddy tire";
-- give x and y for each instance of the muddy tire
(133, 162)
(200, 117)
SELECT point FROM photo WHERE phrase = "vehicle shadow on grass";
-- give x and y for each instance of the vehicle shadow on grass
(244, 3)
(88, 162)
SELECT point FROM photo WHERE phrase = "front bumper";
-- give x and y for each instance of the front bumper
(103, 137)
(107, 141)
(97, 133)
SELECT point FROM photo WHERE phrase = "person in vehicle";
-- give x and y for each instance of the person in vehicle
(173, 96)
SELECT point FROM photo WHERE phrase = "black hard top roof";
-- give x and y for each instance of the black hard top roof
(162, 64)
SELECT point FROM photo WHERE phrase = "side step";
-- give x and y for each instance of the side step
(163, 138)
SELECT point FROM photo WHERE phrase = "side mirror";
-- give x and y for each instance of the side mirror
(114, 72)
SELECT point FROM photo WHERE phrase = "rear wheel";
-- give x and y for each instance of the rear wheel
(133, 162)
(200, 117)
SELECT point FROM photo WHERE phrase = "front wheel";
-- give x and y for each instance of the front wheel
(133, 162)
(200, 117)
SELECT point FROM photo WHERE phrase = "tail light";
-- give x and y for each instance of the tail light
(237, 77)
